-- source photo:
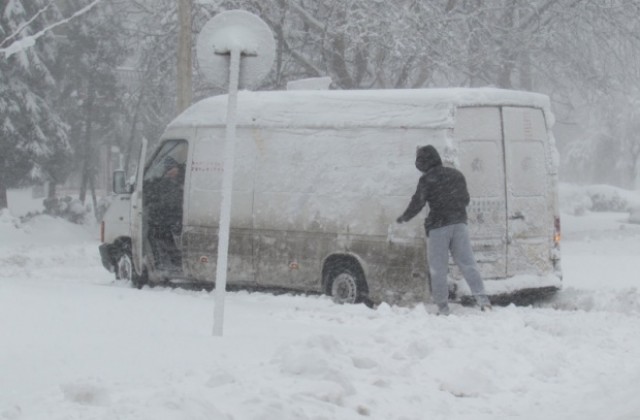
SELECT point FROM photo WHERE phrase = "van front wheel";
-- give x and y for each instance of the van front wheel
(345, 287)
(124, 266)
(126, 271)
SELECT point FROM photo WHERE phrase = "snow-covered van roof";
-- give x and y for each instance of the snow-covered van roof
(344, 108)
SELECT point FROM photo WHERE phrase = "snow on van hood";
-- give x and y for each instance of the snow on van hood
(429, 108)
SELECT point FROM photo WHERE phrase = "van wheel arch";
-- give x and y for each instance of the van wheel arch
(122, 243)
(344, 280)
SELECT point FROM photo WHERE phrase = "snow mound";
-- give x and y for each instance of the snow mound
(577, 200)
(84, 346)
(42, 230)
(7, 222)
(86, 393)
(46, 246)
(622, 301)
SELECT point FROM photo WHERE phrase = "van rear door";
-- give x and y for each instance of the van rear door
(204, 186)
(511, 213)
(478, 131)
(529, 206)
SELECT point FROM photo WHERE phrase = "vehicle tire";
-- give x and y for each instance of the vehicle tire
(124, 266)
(126, 271)
(346, 286)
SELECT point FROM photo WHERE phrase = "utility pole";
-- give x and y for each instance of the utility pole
(183, 87)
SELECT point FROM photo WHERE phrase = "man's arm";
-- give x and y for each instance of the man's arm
(417, 203)
(465, 191)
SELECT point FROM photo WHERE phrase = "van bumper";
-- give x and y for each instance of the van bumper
(519, 289)
(106, 257)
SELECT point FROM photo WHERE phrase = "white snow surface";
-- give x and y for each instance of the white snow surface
(76, 344)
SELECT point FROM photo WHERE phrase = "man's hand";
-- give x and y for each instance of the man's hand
(400, 220)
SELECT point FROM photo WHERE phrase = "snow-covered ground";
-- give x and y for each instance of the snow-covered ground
(76, 344)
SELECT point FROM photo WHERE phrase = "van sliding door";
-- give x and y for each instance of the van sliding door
(529, 213)
(478, 131)
(203, 211)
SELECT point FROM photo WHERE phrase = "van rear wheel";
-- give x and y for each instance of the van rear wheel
(346, 287)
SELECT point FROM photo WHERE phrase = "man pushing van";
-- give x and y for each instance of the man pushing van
(445, 190)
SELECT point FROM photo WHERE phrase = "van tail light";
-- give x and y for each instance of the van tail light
(556, 232)
(102, 231)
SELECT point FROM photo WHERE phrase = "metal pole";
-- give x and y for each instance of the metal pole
(227, 192)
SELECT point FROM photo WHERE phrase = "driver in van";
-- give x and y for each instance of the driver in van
(445, 190)
(164, 196)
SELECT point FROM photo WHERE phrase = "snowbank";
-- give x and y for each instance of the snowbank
(46, 248)
(577, 200)
(23, 201)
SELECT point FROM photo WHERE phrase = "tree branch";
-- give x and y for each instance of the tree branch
(306, 16)
(25, 24)
(29, 41)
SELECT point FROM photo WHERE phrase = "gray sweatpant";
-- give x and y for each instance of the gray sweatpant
(454, 238)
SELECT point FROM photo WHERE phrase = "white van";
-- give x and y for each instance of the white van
(321, 176)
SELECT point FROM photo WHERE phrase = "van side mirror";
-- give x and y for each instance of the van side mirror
(120, 182)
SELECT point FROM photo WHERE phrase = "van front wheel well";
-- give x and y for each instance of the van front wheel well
(117, 249)
(343, 279)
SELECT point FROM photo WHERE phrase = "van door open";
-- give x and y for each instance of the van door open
(478, 131)
(137, 234)
(163, 201)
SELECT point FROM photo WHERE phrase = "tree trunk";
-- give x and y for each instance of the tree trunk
(526, 78)
(337, 64)
(134, 127)
(52, 189)
(278, 29)
(184, 56)
(505, 54)
(4, 202)
(87, 170)
(94, 199)
(635, 167)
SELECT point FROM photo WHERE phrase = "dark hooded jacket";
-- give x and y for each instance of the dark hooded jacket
(443, 188)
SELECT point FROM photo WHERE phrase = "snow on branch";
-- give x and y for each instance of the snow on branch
(29, 41)
(25, 24)
(306, 16)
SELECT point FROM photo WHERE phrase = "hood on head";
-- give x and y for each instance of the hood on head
(427, 157)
